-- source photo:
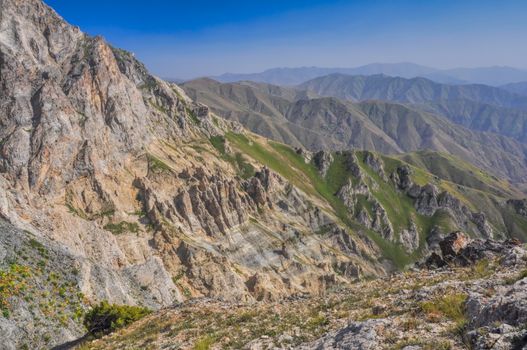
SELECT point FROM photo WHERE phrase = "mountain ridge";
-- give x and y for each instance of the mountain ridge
(293, 76)
(317, 123)
(478, 107)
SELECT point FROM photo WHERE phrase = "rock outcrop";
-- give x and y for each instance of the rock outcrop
(482, 306)
(357, 335)
(458, 249)
(322, 161)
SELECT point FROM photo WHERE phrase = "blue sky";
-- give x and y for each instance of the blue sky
(193, 38)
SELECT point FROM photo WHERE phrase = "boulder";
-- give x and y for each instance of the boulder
(453, 244)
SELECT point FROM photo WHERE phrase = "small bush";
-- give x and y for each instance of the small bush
(204, 343)
(451, 306)
(106, 318)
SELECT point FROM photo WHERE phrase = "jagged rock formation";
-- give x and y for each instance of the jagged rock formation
(322, 161)
(428, 200)
(458, 249)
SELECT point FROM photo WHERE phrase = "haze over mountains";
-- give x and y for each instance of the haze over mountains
(495, 76)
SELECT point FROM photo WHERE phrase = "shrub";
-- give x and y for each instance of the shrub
(106, 318)
(451, 306)
(204, 343)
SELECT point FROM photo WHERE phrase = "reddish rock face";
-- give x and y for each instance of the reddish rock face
(453, 243)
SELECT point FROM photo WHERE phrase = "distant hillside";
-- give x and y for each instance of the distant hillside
(494, 76)
(518, 88)
(304, 120)
(477, 107)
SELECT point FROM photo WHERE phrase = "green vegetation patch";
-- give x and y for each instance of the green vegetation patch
(245, 169)
(12, 283)
(156, 165)
(218, 142)
(106, 318)
(453, 169)
(33, 243)
(204, 343)
(450, 306)
(122, 227)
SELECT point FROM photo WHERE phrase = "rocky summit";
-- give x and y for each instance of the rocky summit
(125, 198)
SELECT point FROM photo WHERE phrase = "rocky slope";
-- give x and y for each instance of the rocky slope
(115, 185)
(477, 303)
(302, 119)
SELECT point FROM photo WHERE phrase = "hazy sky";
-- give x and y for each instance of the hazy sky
(184, 39)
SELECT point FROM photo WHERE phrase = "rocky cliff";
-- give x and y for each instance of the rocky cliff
(106, 162)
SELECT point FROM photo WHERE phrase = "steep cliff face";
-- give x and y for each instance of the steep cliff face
(117, 169)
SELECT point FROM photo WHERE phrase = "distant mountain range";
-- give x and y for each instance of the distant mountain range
(495, 76)
(475, 106)
(302, 118)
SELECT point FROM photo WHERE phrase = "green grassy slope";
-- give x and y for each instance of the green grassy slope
(476, 189)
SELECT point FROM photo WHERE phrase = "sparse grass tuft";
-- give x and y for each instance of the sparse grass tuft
(450, 306)
(204, 343)
(481, 269)
(122, 227)
(156, 165)
(513, 279)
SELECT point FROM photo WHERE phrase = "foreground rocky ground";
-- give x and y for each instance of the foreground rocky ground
(478, 300)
